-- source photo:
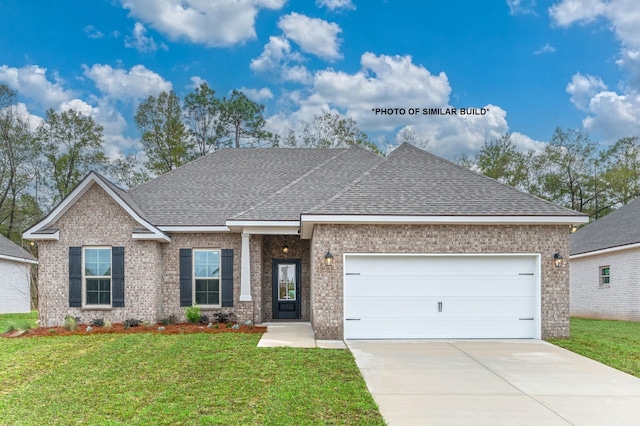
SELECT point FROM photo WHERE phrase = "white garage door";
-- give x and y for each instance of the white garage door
(424, 296)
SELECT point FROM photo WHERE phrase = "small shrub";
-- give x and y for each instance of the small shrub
(107, 324)
(204, 319)
(171, 319)
(193, 314)
(71, 323)
(131, 322)
(97, 322)
(229, 325)
(146, 323)
(221, 317)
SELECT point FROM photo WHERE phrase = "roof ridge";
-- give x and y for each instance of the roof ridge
(341, 152)
(351, 185)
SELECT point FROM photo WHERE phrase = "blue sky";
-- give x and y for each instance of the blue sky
(535, 65)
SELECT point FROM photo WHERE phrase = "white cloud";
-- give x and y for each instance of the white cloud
(135, 84)
(336, 4)
(582, 88)
(31, 81)
(139, 41)
(611, 114)
(276, 58)
(313, 35)
(525, 143)
(257, 95)
(567, 12)
(196, 81)
(394, 82)
(614, 115)
(92, 32)
(521, 7)
(208, 22)
(547, 48)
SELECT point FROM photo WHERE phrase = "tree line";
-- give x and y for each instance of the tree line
(572, 171)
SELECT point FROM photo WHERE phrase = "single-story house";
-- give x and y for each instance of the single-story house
(15, 277)
(605, 266)
(404, 246)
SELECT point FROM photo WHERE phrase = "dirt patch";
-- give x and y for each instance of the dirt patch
(120, 329)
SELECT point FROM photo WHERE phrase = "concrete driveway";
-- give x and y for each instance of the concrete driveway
(502, 382)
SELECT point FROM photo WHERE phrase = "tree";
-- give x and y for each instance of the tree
(125, 171)
(566, 170)
(501, 160)
(164, 135)
(241, 119)
(18, 153)
(329, 130)
(71, 144)
(620, 171)
(412, 136)
(202, 115)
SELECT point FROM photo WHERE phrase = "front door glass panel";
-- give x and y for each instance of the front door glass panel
(287, 282)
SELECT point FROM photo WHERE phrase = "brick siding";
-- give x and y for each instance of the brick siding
(619, 300)
(326, 282)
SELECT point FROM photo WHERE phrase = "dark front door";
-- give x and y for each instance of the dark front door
(286, 288)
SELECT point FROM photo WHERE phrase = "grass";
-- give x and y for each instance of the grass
(17, 321)
(614, 343)
(193, 379)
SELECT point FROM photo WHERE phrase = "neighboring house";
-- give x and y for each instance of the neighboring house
(605, 266)
(15, 278)
(420, 247)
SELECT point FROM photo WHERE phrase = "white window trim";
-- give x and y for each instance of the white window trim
(600, 276)
(84, 279)
(193, 277)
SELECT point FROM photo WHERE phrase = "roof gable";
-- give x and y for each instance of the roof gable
(41, 230)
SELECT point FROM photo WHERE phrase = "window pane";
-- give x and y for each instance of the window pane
(98, 291)
(92, 298)
(97, 262)
(287, 282)
(207, 292)
(92, 284)
(206, 263)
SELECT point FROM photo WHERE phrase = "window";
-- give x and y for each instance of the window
(206, 277)
(97, 276)
(605, 277)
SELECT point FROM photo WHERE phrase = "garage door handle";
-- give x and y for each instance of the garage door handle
(352, 319)
(526, 319)
(439, 306)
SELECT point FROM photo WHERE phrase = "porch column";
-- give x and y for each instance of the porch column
(245, 272)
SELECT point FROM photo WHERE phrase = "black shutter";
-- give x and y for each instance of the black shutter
(75, 277)
(227, 277)
(186, 298)
(117, 277)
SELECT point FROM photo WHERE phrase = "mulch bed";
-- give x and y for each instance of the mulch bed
(119, 329)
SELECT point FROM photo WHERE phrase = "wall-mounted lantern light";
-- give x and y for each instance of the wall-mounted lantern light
(574, 228)
(558, 260)
(285, 249)
(328, 258)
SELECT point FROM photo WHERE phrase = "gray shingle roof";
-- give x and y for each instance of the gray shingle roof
(219, 186)
(618, 228)
(411, 181)
(9, 248)
(316, 186)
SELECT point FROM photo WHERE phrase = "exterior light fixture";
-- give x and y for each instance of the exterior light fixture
(574, 228)
(558, 260)
(328, 258)
(285, 249)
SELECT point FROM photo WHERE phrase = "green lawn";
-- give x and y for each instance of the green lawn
(196, 379)
(18, 321)
(614, 343)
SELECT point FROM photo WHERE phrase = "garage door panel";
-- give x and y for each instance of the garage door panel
(440, 296)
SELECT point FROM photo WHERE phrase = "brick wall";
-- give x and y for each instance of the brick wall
(152, 269)
(619, 300)
(326, 282)
(97, 220)
(298, 249)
